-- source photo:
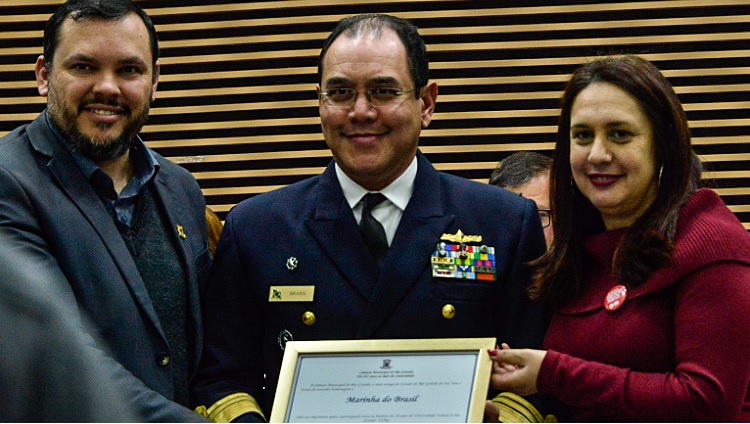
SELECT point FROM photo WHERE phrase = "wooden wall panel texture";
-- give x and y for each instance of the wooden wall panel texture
(237, 106)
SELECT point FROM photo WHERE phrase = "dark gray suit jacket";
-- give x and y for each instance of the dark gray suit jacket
(52, 213)
(48, 372)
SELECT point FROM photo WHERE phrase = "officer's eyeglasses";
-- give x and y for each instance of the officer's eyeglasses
(343, 97)
(546, 216)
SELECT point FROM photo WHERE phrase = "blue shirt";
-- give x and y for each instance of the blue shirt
(121, 207)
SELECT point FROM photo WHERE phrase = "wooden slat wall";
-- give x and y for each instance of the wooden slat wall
(236, 102)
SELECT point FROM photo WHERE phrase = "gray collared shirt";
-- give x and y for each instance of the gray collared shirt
(121, 207)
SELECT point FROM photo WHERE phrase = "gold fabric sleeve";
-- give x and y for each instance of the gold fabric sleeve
(515, 409)
(227, 409)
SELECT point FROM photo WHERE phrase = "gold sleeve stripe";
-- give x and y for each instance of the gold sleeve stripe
(515, 409)
(227, 409)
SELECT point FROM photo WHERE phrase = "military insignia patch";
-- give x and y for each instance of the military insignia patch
(455, 258)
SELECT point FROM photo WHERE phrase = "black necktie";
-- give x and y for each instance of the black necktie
(371, 229)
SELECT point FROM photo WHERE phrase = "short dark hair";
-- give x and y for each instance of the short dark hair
(647, 244)
(520, 168)
(94, 9)
(416, 52)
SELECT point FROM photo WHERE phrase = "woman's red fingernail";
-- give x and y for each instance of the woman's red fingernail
(492, 352)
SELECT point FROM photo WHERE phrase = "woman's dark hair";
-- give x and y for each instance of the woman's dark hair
(647, 244)
(416, 52)
(99, 10)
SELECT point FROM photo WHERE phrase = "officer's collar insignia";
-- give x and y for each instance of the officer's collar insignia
(460, 256)
(181, 232)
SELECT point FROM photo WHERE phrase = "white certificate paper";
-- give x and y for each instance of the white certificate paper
(381, 387)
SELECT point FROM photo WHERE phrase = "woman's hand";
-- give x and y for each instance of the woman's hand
(491, 413)
(515, 370)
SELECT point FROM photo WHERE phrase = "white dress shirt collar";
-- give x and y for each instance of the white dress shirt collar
(398, 192)
(390, 211)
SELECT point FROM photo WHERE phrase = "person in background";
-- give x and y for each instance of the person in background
(214, 229)
(48, 370)
(377, 247)
(649, 275)
(83, 196)
(527, 174)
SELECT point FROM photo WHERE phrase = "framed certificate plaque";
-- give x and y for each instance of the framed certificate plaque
(379, 381)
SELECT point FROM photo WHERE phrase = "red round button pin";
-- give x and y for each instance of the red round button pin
(615, 297)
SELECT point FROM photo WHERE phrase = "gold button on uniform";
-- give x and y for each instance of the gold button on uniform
(308, 318)
(449, 311)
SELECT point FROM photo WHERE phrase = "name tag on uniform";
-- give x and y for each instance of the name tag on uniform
(291, 293)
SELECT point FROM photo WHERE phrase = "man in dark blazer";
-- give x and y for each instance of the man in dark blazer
(294, 264)
(82, 195)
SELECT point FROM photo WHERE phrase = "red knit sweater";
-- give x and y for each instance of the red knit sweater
(679, 347)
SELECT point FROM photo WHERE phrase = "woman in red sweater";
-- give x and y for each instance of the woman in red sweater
(648, 276)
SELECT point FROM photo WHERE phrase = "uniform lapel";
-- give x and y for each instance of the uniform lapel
(73, 182)
(334, 228)
(421, 226)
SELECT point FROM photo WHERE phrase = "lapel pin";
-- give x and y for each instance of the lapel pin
(291, 263)
(181, 232)
(615, 297)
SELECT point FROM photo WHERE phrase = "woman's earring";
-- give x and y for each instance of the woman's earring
(661, 169)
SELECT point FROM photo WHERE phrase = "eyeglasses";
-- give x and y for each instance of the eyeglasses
(345, 97)
(546, 216)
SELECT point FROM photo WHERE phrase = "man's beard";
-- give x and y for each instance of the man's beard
(97, 150)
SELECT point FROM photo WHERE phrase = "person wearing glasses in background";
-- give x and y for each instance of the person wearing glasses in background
(527, 174)
(369, 269)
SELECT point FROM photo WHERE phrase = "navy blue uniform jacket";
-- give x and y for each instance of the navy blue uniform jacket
(51, 212)
(312, 222)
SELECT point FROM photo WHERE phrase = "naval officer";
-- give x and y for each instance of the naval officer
(379, 246)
